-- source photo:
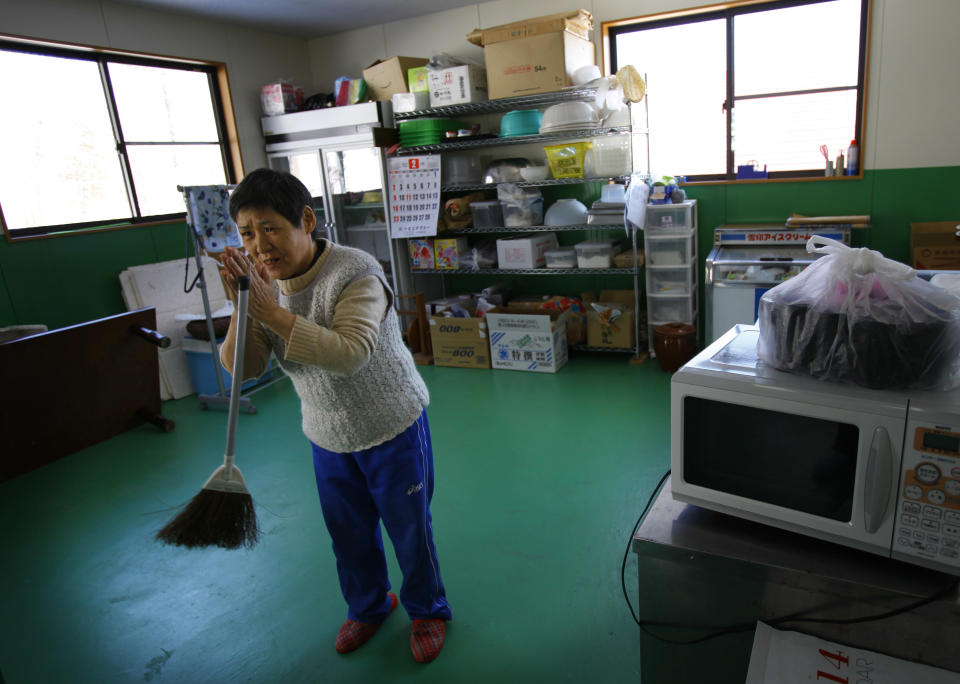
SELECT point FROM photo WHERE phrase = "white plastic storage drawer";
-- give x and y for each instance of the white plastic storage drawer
(670, 281)
(670, 251)
(667, 309)
(678, 217)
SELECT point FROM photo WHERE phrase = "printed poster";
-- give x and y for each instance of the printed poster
(414, 185)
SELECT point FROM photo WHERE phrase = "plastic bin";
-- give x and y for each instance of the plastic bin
(670, 217)
(666, 309)
(674, 281)
(596, 254)
(562, 257)
(670, 252)
(202, 373)
(487, 214)
(528, 214)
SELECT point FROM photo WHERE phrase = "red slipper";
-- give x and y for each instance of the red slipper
(426, 639)
(354, 634)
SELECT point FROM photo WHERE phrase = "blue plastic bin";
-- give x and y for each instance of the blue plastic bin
(202, 373)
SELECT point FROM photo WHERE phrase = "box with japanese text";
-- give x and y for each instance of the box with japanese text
(456, 85)
(460, 342)
(525, 251)
(935, 246)
(527, 340)
(536, 55)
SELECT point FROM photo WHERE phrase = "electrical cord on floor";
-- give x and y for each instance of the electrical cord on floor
(722, 630)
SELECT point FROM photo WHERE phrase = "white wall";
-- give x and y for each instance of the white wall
(913, 105)
(252, 57)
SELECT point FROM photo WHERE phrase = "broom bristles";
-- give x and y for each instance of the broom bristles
(214, 518)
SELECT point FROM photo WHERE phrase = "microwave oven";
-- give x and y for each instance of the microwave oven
(876, 470)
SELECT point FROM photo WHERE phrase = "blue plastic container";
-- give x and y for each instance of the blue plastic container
(520, 122)
(202, 373)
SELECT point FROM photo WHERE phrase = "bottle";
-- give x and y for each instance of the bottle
(852, 158)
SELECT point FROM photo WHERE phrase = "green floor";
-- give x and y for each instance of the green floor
(539, 480)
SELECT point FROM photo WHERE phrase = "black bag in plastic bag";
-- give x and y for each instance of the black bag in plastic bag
(854, 315)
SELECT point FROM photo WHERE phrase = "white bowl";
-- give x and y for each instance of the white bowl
(580, 114)
(585, 74)
(566, 212)
(532, 174)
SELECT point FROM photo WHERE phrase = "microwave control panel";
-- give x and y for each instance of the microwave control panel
(928, 515)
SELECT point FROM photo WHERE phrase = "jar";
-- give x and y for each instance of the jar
(674, 344)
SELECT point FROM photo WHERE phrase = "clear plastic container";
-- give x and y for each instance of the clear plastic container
(670, 217)
(561, 257)
(595, 254)
(529, 213)
(487, 214)
(672, 252)
(675, 281)
(665, 309)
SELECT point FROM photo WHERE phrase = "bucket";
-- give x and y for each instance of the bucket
(674, 344)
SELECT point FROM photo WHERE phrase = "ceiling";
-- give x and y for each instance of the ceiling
(303, 18)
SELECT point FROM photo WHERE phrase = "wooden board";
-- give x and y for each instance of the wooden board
(68, 389)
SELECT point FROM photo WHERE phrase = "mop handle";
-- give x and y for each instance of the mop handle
(243, 296)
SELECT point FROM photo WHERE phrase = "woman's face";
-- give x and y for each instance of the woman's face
(284, 249)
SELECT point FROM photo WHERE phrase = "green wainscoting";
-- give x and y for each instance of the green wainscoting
(65, 280)
(69, 279)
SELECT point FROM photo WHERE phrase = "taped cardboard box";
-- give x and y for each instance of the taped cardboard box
(538, 55)
(460, 342)
(389, 76)
(935, 246)
(527, 340)
(619, 333)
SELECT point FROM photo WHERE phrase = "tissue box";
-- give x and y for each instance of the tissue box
(421, 253)
(449, 251)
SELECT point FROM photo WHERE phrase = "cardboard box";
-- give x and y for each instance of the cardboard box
(389, 76)
(417, 80)
(456, 85)
(935, 246)
(525, 251)
(527, 340)
(449, 252)
(460, 342)
(536, 55)
(619, 334)
(421, 253)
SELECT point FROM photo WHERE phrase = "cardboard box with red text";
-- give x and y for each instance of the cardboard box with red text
(935, 246)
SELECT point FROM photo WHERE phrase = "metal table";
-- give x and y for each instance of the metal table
(701, 567)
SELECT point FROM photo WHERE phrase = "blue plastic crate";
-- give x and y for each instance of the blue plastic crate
(202, 373)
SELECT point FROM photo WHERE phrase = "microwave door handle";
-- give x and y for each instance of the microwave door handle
(876, 490)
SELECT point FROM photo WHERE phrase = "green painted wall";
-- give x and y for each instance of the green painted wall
(65, 280)
(68, 279)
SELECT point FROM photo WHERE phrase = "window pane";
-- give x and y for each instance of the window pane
(354, 170)
(786, 133)
(60, 161)
(163, 105)
(685, 69)
(822, 51)
(159, 169)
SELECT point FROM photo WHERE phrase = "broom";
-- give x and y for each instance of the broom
(222, 513)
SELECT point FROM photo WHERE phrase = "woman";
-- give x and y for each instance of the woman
(326, 311)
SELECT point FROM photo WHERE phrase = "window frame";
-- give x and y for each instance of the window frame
(728, 11)
(228, 138)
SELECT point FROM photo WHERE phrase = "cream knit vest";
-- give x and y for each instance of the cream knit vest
(379, 401)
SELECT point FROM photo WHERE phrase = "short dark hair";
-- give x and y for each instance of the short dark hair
(269, 189)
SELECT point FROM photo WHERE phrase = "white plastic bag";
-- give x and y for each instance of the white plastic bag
(854, 315)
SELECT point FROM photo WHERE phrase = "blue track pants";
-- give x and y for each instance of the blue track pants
(392, 482)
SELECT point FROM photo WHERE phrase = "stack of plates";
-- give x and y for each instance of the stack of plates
(416, 132)
(569, 116)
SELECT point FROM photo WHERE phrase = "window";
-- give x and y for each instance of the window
(763, 82)
(95, 139)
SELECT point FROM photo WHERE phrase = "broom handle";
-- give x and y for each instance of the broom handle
(243, 296)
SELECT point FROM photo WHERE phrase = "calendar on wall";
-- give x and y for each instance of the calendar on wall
(414, 190)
